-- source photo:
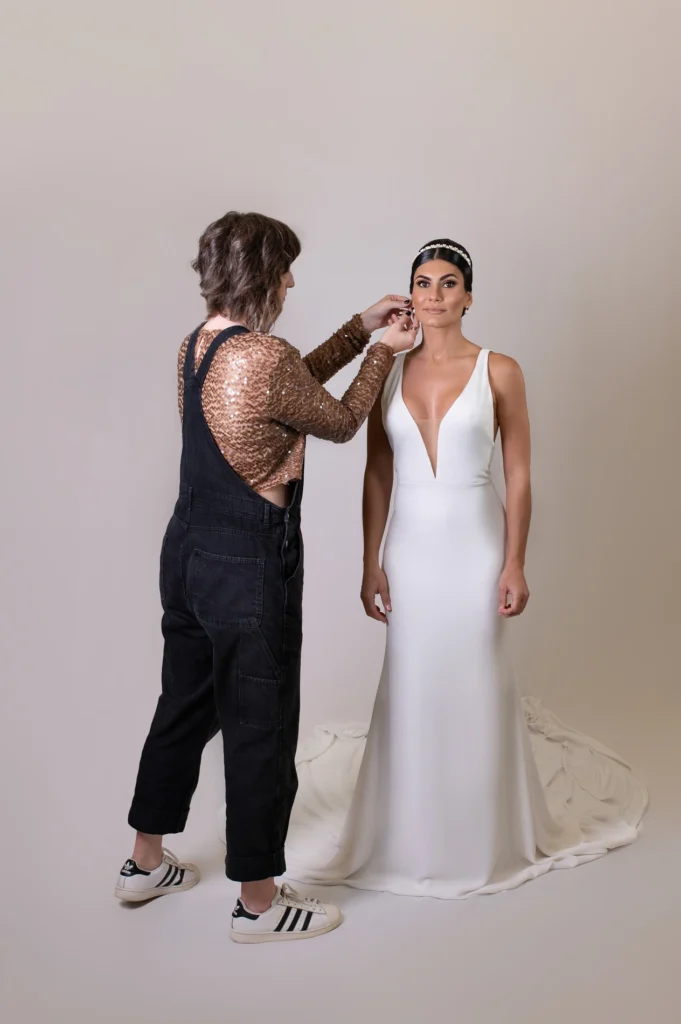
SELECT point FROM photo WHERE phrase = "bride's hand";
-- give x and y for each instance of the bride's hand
(513, 592)
(379, 314)
(375, 582)
(401, 333)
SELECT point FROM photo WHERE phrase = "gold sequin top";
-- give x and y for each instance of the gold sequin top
(261, 397)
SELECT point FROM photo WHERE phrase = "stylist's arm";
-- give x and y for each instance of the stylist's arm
(297, 399)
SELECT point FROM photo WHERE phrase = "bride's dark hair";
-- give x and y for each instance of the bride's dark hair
(452, 252)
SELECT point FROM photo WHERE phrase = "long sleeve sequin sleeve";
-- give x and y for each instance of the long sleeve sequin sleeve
(341, 348)
(298, 400)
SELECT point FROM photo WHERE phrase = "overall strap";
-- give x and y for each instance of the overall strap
(215, 344)
(189, 356)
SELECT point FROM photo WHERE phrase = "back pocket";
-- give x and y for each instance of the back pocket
(225, 590)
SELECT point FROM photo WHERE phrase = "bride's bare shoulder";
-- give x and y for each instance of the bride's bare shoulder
(504, 367)
(506, 377)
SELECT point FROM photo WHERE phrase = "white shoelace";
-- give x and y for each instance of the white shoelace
(291, 898)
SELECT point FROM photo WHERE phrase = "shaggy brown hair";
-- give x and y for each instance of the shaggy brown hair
(241, 261)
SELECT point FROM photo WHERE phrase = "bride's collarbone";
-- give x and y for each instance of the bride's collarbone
(430, 401)
(430, 390)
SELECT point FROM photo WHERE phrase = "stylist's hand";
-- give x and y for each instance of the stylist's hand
(401, 334)
(375, 582)
(379, 314)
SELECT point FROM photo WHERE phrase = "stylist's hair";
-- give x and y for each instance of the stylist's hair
(452, 252)
(241, 260)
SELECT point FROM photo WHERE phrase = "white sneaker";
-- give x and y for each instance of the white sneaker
(136, 885)
(291, 916)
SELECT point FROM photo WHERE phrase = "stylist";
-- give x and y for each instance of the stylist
(232, 569)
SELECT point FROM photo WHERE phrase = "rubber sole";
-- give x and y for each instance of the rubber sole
(251, 938)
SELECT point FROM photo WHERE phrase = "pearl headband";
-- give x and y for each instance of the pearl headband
(454, 248)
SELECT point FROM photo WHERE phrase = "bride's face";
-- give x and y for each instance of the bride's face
(439, 294)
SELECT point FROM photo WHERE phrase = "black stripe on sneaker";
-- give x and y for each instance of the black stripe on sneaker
(309, 917)
(296, 919)
(284, 918)
(178, 881)
(168, 874)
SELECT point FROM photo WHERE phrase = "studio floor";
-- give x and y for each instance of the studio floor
(596, 944)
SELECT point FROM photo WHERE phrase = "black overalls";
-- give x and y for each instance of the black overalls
(231, 588)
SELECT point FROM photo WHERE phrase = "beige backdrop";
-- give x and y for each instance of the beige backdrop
(542, 136)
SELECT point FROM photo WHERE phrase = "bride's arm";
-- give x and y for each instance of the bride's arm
(378, 483)
(509, 388)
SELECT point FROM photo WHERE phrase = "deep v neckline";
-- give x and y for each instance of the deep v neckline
(434, 468)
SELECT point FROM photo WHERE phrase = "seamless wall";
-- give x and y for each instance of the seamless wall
(541, 136)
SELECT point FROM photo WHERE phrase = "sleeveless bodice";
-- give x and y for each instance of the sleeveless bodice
(466, 436)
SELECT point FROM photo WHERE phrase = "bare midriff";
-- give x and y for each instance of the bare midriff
(279, 495)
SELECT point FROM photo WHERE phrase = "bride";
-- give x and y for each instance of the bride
(464, 787)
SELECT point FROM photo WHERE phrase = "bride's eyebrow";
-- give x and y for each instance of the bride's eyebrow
(445, 277)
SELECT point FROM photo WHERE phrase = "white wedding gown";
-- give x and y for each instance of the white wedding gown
(464, 787)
